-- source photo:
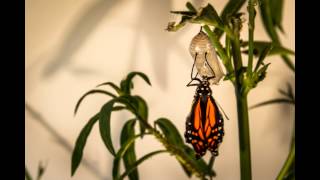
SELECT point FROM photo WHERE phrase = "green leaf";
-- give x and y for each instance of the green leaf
(273, 101)
(170, 131)
(185, 13)
(288, 62)
(266, 15)
(209, 16)
(118, 108)
(261, 73)
(129, 158)
(115, 87)
(190, 7)
(231, 8)
(116, 162)
(267, 19)
(211, 162)
(125, 84)
(199, 163)
(172, 26)
(92, 92)
(105, 114)
(142, 110)
(27, 174)
(263, 55)
(173, 136)
(277, 9)
(104, 123)
(81, 142)
(186, 170)
(259, 46)
(141, 160)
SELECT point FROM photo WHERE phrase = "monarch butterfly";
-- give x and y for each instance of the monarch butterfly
(204, 125)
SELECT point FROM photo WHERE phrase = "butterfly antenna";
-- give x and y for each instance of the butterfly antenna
(223, 111)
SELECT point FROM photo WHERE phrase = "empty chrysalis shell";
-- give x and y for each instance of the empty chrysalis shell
(201, 45)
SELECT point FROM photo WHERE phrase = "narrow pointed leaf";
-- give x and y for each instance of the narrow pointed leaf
(185, 169)
(210, 165)
(104, 124)
(185, 13)
(172, 26)
(173, 136)
(92, 92)
(143, 112)
(199, 163)
(129, 158)
(259, 46)
(170, 131)
(118, 108)
(191, 7)
(263, 55)
(211, 162)
(141, 160)
(81, 142)
(266, 14)
(273, 101)
(115, 87)
(261, 73)
(125, 84)
(209, 16)
(116, 162)
(288, 62)
(277, 9)
(231, 8)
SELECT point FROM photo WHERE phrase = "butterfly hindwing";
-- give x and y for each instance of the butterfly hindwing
(204, 126)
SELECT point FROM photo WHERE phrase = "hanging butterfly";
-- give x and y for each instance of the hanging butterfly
(204, 125)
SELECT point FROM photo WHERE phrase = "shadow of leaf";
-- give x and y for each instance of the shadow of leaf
(80, 31)
(61, 140)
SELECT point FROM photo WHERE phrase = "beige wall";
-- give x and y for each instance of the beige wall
(71, 46)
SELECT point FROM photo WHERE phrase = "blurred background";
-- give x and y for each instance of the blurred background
(71, 46)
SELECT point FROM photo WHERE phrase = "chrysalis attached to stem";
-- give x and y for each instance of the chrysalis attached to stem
(205, 58)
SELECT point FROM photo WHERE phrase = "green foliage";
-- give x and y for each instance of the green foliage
(129, 157)
(169, 135)
(81, 142)
(243, 77)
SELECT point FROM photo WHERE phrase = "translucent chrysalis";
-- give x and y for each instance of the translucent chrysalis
(205, 57)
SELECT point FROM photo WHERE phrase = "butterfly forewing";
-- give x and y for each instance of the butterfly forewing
(204, 126)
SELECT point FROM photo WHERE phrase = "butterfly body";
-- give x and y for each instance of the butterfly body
(204, 125)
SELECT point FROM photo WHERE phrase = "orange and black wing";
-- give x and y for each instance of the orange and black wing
(213, 126)
(194, 128)
(204, 126)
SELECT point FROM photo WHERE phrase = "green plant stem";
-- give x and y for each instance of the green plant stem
(244, 136)
(242, 107)
(251, 11)
(288, 163)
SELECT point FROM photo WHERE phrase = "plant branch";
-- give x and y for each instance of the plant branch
(251, 11)
(289, 162)
(242, 106)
